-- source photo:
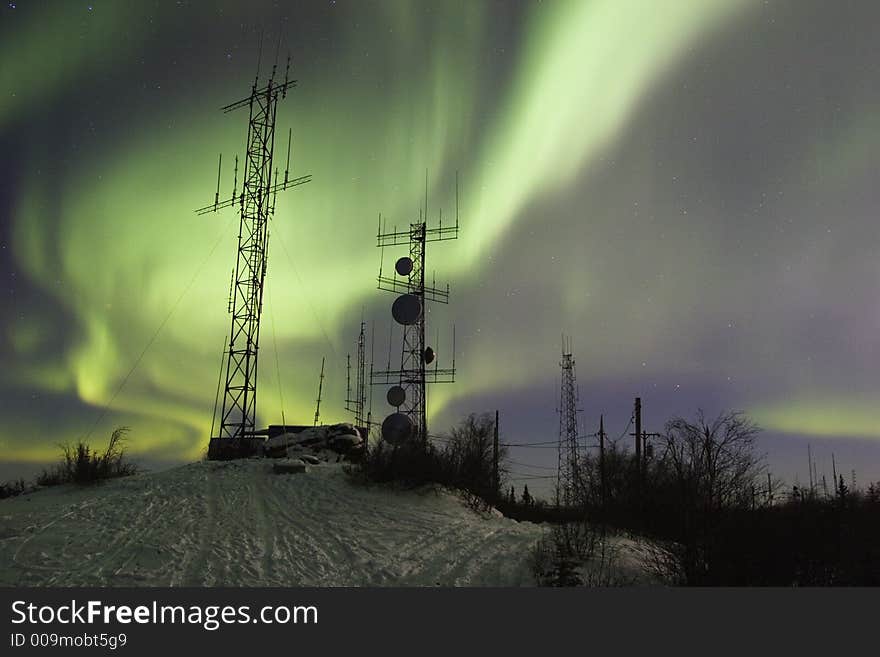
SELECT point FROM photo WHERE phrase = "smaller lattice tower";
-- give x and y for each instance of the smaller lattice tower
(568, 469)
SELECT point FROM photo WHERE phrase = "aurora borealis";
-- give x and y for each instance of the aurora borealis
(689, 192)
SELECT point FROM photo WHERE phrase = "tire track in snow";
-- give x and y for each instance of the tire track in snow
(197, 568)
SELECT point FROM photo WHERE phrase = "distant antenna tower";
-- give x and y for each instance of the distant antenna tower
(320, 390)
(568, 469)
(256, 202)
(358, 404)
(407, 394)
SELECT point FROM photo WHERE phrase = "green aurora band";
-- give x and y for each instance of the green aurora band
(114, 241)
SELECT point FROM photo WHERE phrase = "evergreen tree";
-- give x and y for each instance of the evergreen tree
(842, 490)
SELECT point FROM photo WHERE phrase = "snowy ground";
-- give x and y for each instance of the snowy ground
(239, 524)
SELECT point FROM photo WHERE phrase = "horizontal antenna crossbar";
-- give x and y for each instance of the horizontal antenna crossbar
(280, 187)
(389, 377)
(401, 237)
(397, 285)
(269, 88)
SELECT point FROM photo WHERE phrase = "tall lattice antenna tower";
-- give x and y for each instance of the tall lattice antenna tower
(358, 403)
(568, 472)
(256, 201)
(407, 393)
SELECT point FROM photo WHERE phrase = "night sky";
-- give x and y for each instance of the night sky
(688, 189)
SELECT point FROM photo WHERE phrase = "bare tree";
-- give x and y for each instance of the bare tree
(468, 455)
(714, 470)
(714, 462)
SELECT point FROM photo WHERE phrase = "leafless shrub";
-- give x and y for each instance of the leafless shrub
(576, 554)
(662, 561)
(82, 465)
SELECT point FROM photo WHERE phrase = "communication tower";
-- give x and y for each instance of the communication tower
(568, 480)
(407, 394)
(256, 202)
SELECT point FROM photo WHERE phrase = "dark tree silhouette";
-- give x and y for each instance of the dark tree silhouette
(714, 462)
(714, 468)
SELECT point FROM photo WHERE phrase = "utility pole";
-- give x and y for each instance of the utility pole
(320, 388)
(810, 467)
(602, 459)
(496, 482)
(641, 448)
(638, 416)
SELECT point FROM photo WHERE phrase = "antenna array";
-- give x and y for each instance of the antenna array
(407, 393)
(320, 391)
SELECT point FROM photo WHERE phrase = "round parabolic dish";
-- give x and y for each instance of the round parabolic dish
(397, 428)
(406, 309)
(403, 266)
(429, 355)
(396, 396)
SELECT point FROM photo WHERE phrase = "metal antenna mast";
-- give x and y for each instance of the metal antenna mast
(256, 202)
(407, 394)
(320, 390)
(568, 473)
(359, 403)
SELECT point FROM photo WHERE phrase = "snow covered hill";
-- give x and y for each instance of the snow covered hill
(237, 523)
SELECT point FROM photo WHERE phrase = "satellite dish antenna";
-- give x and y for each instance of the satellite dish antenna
(404, 266)
(396, 396)
(406, 309)
(397, 428)
(429, 355)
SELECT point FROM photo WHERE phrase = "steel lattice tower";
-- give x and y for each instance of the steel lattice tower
(257, 206)
(568, 473)
(414, 374)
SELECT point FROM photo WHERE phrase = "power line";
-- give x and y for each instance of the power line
(546, 442)
(623, 433)
(529, 465)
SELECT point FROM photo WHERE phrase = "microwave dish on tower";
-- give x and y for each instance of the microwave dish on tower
(406, 309)
(397, 428)
(403, 266)
(396, 396)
